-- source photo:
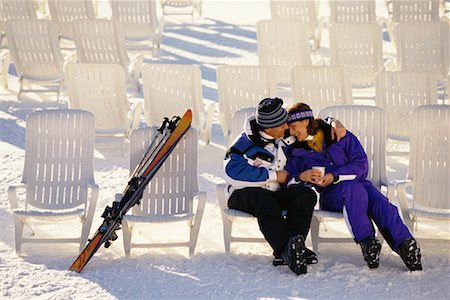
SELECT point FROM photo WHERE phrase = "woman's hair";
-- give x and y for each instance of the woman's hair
(313, 124)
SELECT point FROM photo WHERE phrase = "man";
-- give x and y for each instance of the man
(254, 166)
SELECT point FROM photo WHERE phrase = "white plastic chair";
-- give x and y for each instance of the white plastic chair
(283, 44)
(170, 89)
(304, 11)
(353, 11)
(368, 123)
(321, 86)
(358, 48)
(15, 10)
(398, 93)
(169, 197)
(5, 61)
(63, 12)
(423, 47)
(429, 171)
(36, 55)
(103, 42)
(181, 7)
(415, 11)
(101, 90)
(239, 87)
(139, 21)
(58, 174)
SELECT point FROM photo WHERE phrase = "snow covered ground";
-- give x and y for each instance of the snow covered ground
(225, 35)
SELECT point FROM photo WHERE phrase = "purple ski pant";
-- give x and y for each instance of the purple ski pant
(363, 203)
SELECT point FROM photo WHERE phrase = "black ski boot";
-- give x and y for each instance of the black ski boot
(409, 251)
(371, 248)
(295, 255)
(311, 259)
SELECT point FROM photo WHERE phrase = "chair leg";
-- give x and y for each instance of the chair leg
(315, 225)
(18, 230)
(227, 229)
(127, 232)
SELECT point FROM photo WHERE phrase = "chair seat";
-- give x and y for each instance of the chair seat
(47, 215)
(430, 213)
(328, 214)
(232, 214)
(159, 219)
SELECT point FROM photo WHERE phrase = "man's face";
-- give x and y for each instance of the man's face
(277, 132)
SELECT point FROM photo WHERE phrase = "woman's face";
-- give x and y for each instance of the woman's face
(299, 129)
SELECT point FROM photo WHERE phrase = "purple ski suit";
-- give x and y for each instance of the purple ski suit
(352, 194)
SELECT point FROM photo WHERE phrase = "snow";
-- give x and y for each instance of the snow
(225, 35)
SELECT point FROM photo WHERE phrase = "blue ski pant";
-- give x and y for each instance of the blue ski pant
(362, 203)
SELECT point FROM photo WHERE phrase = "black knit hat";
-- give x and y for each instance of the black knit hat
(270, 113)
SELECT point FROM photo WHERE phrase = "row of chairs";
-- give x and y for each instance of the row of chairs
(422, 47)
(58, 181)
(398, 93)
(427, 175)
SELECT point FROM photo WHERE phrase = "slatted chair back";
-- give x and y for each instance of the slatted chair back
(358, 48)
(170, 89)
(423, 47)
(100, 89)
(101, 42)
(352, 12)
(429, 160)
(399, 93)
(368, 123)
(35, 51)
(139, 20)
(415, 11)
(58, 158)
(65, 11)
(304, 11)
(174, 186)
(283, 44)
(242, 86)
(321, 86)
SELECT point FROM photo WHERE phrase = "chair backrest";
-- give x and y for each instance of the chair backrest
(242, 86)
(15, 10)
(101, 90)
(65, 11)
(175, 184)
(398, 93)
(238, 121)
(353, 11)
(321, 86)
(283, 44)
(358, 48)
(170, 89)
(35, 49)
(100, 41)
(59, 152)
(304, 11)
(368, 123)
(415, 10)
(423, 47)
(430, 156)
(138, 18)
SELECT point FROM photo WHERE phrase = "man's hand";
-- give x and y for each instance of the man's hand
(338, 130)
(310, 175)
(282, 177)
(325, 180)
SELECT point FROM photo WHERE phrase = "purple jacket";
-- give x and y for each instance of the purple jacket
(345, 159)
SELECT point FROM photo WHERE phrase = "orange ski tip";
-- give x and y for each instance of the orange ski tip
(188, 113)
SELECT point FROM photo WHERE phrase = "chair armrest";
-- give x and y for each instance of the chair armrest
(400, 186)
(390, 186)
(12, 195)
(93, 201)
(221, 193)
(200, 207)
(135, 116)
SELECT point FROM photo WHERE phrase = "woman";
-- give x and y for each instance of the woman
(344, 187)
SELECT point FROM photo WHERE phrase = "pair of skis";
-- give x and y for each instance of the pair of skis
(172, 131)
